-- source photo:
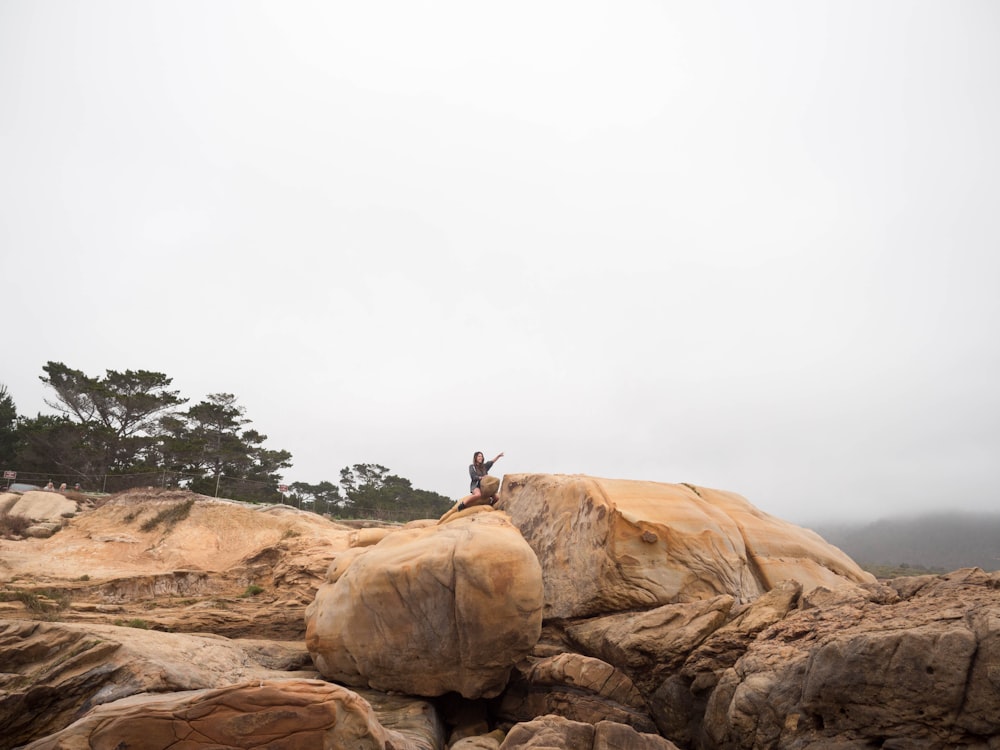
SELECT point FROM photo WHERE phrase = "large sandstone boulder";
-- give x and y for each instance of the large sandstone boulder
(608, 545)
(277, 714)
(431, 609)
(40, 505)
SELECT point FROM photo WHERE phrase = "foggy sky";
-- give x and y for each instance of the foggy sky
(745, 246)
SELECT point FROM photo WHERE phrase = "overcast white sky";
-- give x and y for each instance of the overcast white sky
(745, 246)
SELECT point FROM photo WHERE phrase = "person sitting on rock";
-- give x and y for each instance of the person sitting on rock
(485, 494)
(479, 469)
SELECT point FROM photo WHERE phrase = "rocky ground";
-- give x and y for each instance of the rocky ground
(171, 561)
(578, 613)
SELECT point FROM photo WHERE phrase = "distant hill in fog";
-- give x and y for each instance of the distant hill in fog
(947, 541)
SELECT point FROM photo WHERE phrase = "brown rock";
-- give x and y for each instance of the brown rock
(921, 671)
(41, 530)
(430, 610)
(52, 672)
(576, 687)
(40, 505)
(278, 714)
(613, 545)
(646, 644)
(557, 733)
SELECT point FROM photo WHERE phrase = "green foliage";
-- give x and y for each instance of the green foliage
(169, 516)
(8, 429)
(56, 444)
(116, 415)
(133, 623)
(372, 492)
(12, 525)
(40, 602)
(323, 498)
(28, 598)
(252, 590)
(209, 443)
(126, 428)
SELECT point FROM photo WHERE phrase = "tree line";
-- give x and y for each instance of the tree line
(126, 429)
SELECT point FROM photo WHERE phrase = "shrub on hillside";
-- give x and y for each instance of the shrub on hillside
(169, 516)
(13, 525)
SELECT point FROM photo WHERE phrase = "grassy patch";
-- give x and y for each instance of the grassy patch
(135, 622)
(901, 570)
(40, 602)
(13, 525)
(252, 590)
(169, 516)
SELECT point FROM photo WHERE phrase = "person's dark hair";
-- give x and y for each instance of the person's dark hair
(478, 453)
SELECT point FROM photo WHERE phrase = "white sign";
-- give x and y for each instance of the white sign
(10, 475)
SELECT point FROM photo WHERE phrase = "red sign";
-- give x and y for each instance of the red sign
(10, 475)
(282, 488)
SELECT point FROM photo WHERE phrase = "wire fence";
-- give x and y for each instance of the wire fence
(111, 482)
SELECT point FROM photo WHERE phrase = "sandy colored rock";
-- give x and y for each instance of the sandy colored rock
(612, 545)
(576, 687)
(647, 645)
(40, 505)
(430, 610)
(278, 714)
(41, 530)
(215, 535)
(54, 671)
(130, 554)
(556, 733)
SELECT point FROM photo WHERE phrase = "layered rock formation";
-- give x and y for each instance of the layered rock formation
(577, 613)
(283, 715)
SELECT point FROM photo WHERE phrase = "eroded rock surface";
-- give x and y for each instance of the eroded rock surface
(667, 623)
(431, 609)
(608, 545)
(923, 669)
(278, 714)
(53, 672)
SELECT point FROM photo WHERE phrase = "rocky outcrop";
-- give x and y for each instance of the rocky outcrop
(53, 672)
(430, 609)
(558, 733)
(875, 669)
(609, 545)
(576, 687)
(278, 714)
(666, 625)
(39, 505)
